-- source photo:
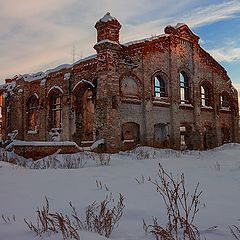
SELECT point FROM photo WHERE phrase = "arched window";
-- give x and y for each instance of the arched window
(32, 106)
(205, 97)
(56, 111)
(159, 87)
(224, 98)
(184, 87)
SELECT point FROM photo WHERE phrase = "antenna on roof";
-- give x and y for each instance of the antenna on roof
(73, 53)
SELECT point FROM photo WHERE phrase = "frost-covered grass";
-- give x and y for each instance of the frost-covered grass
(23, 190)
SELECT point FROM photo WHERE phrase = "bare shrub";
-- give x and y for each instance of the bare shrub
(235, 231)
(143, 154)
(182, 207)
(99, 217)
(48, 223)
(103, 159)
(16, 160)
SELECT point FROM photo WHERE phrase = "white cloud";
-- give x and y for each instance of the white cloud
(226, 54)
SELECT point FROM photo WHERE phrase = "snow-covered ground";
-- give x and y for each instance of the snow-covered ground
(23, 190)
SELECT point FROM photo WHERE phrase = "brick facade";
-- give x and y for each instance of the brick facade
(128, 94)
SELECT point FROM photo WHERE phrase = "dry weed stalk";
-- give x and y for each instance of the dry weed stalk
(100, 185)
(99, 217)
(235, 231)
(103, 159)
(8, 219)
(140, 180)
(182, 208)
(48, 223)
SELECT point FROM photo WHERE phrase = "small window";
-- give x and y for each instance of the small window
(160, 132)
(205, 99)
(159, 87)
(56, 111)
(32, 106)
(184, 88)
(224, 101)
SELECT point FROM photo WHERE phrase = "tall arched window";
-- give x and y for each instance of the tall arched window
(32, 106)
(205, 97)
(159, 87)
(56, 111)
(224, 98)
(184, 87)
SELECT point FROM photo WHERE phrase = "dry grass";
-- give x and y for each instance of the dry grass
(48, 223)
(235, 231)
(99, 217)
(181, 205)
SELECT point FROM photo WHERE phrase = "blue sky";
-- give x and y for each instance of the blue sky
(38, 35)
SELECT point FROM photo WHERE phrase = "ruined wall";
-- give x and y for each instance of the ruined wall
(112, 95)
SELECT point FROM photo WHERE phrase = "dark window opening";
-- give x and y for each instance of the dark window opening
(32, 106)
(225, 101)
(56, 111)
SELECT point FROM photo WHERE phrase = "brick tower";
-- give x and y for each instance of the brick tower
(107, 119)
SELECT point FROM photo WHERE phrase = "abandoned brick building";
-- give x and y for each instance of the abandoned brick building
(164, 91)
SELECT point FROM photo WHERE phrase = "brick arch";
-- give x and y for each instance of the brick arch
(165, 78)
(54, 90)
(83, 83)
(84, 108)
(138, 84)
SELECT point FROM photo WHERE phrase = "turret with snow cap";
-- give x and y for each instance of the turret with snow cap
(108, 29)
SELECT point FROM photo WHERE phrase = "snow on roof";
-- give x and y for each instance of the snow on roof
(58, 68)
(85, 59)
(32, 76)
(144, 40)
(41, 75)
(106, 41)
(178, 25)
(40, 143)
(107, 17)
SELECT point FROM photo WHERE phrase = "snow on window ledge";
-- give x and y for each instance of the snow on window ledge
(128, 141)
(225, 109)
(188, 105)
(206, 108)
(32, 132)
